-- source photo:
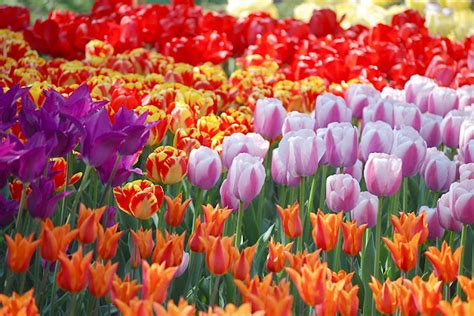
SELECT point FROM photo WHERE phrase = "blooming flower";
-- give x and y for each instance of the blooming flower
(20, 251)
(139, 198)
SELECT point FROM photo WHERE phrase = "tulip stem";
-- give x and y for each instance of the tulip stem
(299, 244)
(215, 290)
(337, 253)
(404, 193)
(322, 196)
(240, 217)
(72, 305)
(378, 230)
(461, 260)
(21, 207)
(72, 215)
(68, 173)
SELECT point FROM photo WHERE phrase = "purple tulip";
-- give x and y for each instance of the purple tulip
(135, 129)
(445, 216)
(411, 148)
(365, 212)
(435, 230)
(437, 170)
(109, 216)
(123, 172)
(431, 129)
(342, 192)
(355, 170)
(468, 152)
(377, 137)
(268, 117)
(42, 199)
(329, 109)
(8, 211)
(321, 133)
(462, 201)
(280, 172)
(382, 110)
(8, 106)
(246, 177)
(341, 145)
(228, 199)
(407, 115)
(466, 133)
(359, 96)
(301, 152)
(466, 171)
(204, 167)
(417, 90)
(442, 100)
(183, 265)
(383, 174)
(251, 143)
(295, 121)
(393, 94)
(451, 127)
(465, 96)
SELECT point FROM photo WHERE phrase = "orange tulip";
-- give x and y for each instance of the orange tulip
(310, 283)
(156, 279)
(456, 308)
(215, 217)
(124, 290)
(176, 208)
(326, 229)
(162, 120)
(276, 255)
(242, 262)
(328, 306)
(385, 296)
(72, 275)
(101, 277)
(298, 260)
(445, 263)
(467, 286)
(20, 251)
(352, 237)
(58, 169)
(218, 253)
(341, 277)
(168, 250)
(404, 252)
(348, 301)
(409, 224)
(19, 304)
(171, 309)
(290, 220)
(166, 165)
(54, 240)
(16, 186)
(89, 223)
(107, 243)
(142, 248)
(140, 198)
(405, 299)
(199, 233)
(426, 294)
(231, 310)
(136, 307)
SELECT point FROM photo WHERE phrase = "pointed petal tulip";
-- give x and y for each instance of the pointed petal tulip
(55, 240)
(19, 304)
(385, 296)
(135, 307)
(166, 165)
(156, 279)
(410, 224)
(124, 290)
(107, 242)
(348, 301)
(404, 251)
(72, 275)
(43, 199)
(171, 309)
(176, 209)
(276, 255)
(426, 294)
(405, 300)
(215, 218)
(200, 233)
(169, 249)
(310, 283)
(143, 244)
(290, 220)
(242, 264)
(101, 277)
(352, 237)
(88, 224)
(445, 262)
(140, 198)
(456, 307)
(218, 254)
(20, 251)
(325, 229)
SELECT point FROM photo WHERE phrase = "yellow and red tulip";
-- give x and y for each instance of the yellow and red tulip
(140, 198)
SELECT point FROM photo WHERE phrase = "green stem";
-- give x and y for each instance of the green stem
(404, 193)
(75, 204)
(215, 290)
(378, 230)
(240, 217)
(72, 305)
(299, 245)
(21, 207)
(461, 261)
(53, 290)
(337, 253)
(322, 197)
(68, 174)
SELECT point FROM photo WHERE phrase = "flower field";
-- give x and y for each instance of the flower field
(166, 159)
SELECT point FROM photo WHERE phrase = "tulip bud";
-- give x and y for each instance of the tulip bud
(166, 165)
(431, 129)
(377, 137)
(417, 90)
(378, 166)
(462, 201)
(330, 108)
(466, 134)
(359, 96)
(280, 172)
(407, 115)
(411, 148)
(445, 217)
(466, 171)
(246, 177)
(465, 96)
(435, 230)
(382, 110)
(451, 127)
(365, 212)
(341, 145)
(437, 170)
(441, 100)
(268, 117)
(204, 167)
(295, 121)
(342, 192)
(237, 143)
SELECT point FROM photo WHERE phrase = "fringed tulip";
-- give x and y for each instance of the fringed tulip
(352, 234)
(359, 96)
(124, 290)
(417, 90)
(108, 242)
(290, 219)
(246, 177)
(431, 129)
(377, 168)
(101, 277)
(72, 275)
(218, 254)
(20, 251)
(166, 165)
(140, 198)
(176, 209)
(237, 143)
(296, 121)
(88, 224)
(426, 294)
(268, 117)
(377, 137)
(365, 212)
(341, 145)
(329, 109)
(55, 240)
(156, 279)
(445, 262)
(435, 230)
(242, 262)
(404, 251)
(438, 171)
(276, 255)
(310, 283)
(342, 192)
(411, 148)
(441, 100)
(204, 167)
(325, 229)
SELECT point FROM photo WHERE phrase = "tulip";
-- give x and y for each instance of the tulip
(321, 133)
(456, 307)
(352, 234)
(107, 242)
(451, 127)
(88, 224)
(441, 100)
(136, 307)
(101, 277)
(242, 265)
(355, 171)
(385, 296)
(176, 209)
(466, 171)
(467, 286)
(166, 165)
(280, 171)
(347, 300)
(325, 229)
(42, 199)
(197, 235)
(295, 121)
(20, 251)
(431, 129)
(377, 137)
(140, 198)
(426, 294)
(435, 230)
(300, 152)
(276, 256)
(417, 90)
(204, 167)
(409, 225)
(124, 290)
(246, 177)
(407, 115)
(438, 171)
(365, 212)
(161, 121)
(405, 299)
(445, 262)
(404, 251)
(169, 249)
(410, 148)
(468, 152)
(440, 69)
(290, 220)
(142, 245)
(329, 109)
(215, 217)
(238, 143)
(156, 280)
(310, 283)
(17, 304)
(122, 172)
(462, 201)
(382, 110)
(393, 94)
(359, 96)
(182, 116)
(466, 134)
(8, 211)
(229, 309)
(58, 167)
(228, 199)
(445, 216)
(181, 309)
(218, 253)
(298, 260)
(72, 275)
(268, 117)
(341, 145)
(465, 96)
(55, 240)
(342, 192)
(377, 168)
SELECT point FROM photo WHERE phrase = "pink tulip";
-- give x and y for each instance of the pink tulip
(393, 94)
(465, 96)
(228, 199)
(382, 110)
(407, 115)
(462, 201)
(342, 192)
(466, 134)
(417, 90)
(355, 170)
(466, 171)
(280, 172)
(451, 126)
(365, 212)
(383, 174)
(268, 117)
(301, 152)
(468, 152)
(438, 171)
(183, 266)
(246, 177)
(204, 167)
(359, 96)
(409, 146)
(321, 133)
(431, 129)
(441, 70)
(435, 230)
(237, 143)
(330, 108)
(377, 137)
(445, 217)
(295, 121)
(442, 100)
(341, 145)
